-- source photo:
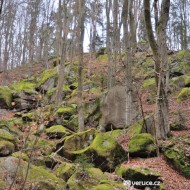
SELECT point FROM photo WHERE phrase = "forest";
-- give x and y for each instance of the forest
(94, 94)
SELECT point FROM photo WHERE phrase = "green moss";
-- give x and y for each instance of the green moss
(86, 179)
(142, 145)
(6, 147)
(136, 128)
(5, 95)
(69, 111)
(2, 185)
(65, 171)
(104, 143)
(177, 157)
(96, 91)
(149, 83)
(38, 174)
(104, 187)
(114, 184)
(184, 94)
(148, 63)
(6, 135)
(57, 131)
(21, 155)
(46, 75)
(187, 80)
(42, 145)
(137, 173)
(79, 141)
(28, 87)
(102, 57)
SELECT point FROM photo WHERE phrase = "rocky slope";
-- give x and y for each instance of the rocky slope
(41, 148)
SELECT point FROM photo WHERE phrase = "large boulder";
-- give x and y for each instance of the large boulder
(177, 152)
(92, 178)
(37, 177)
(136, 174)
(142, 145)
(113, 108)
(103, 148)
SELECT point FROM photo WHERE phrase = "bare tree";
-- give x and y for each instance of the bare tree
(63, 29)
(80, 38)
(161, 65)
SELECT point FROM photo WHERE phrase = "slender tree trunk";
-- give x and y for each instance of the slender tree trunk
(59, 91)
(80, 36)
(161, 65)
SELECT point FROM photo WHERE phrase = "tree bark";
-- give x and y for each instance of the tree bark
(161, 66)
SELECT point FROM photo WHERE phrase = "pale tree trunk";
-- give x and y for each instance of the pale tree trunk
(108, 45)
(161, 66)
(128, 61)
(80, 36)
(64, 28)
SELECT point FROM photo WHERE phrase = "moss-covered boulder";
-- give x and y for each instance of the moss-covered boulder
(102, 148)
(5, 97)
(177, 153)
(4, 134)
(142, 145)
(79, 141)
(42, 146)
(6, 148)
(184, 94)
(108, 153)
(86, 179)
(65, 170)
(92, 112)
(57, 131)
(35, 175)
(25, 86)
(45, 76)
(67, 116)
(137, 174)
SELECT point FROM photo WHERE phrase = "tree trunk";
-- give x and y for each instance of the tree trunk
(161, 66)
(80, 35)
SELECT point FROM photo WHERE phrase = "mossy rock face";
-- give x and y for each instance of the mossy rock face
(107, 150)
(65, 171)
(6, 148)
(103, 148)
(177, 153)
(43, 146)
(57, 131)
(5, 97)
(47, 74)
(184, 94)
(11, 126)
(66, 111)
(20, 155)
(142, 145)
(27, 87)
(92, 112)
(6, 135)
(86, 179)
(149, 84)
(9, 165)
(137, 174)
(78, 141)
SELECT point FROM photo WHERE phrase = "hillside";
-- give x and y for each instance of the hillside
(41, 148)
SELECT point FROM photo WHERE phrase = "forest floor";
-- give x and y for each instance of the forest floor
(171, 178)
